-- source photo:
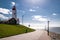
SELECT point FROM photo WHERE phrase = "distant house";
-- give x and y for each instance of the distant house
(12, 21)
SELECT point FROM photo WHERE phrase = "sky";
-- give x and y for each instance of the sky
(36, 12)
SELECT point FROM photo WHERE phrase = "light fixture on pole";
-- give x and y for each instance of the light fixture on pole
(48, 27)
(22, 18)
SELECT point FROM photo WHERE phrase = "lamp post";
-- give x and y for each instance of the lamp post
(48, 27)
(22, 18)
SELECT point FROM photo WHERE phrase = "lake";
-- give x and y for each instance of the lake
(55, 29)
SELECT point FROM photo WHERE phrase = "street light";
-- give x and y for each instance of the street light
(22, 18)
(48, 27)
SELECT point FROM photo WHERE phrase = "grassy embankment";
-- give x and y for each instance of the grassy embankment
(10, 30)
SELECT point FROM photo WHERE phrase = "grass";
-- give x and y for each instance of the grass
(10, 30)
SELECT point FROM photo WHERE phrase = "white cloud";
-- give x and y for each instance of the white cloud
(36, 7)
(3, 17)
(13, 3)
(42, 25)
(54, 14)
(22, 11)
(36, 2)
(39, 18)
(5, 11)
(36, 25)
(32, 10)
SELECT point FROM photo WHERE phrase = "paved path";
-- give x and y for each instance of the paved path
(36, 35)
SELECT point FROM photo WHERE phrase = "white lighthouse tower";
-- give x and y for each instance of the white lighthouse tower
(14, 19)
(14, 15)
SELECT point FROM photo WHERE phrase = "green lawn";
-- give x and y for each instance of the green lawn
(10, 30)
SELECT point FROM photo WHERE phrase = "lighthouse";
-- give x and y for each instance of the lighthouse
(14, 19)
(14, 15)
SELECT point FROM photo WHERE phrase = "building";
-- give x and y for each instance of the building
(14, 15)
(14, 19)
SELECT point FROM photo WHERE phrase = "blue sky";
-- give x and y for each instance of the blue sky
(36, 12)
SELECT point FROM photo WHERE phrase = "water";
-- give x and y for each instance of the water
(55, 29)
